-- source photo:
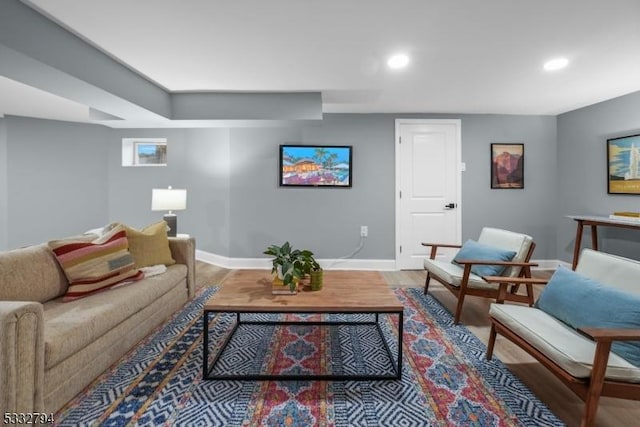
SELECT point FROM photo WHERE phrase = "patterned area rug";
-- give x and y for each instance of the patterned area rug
(445, 381)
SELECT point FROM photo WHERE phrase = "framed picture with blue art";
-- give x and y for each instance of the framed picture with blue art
(315, 165)
(623, 165)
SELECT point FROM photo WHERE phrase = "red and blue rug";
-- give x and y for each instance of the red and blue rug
(446, 379)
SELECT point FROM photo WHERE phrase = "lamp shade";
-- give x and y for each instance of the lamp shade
(168, 199)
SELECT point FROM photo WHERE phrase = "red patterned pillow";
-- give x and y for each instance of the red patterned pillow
(95, 266)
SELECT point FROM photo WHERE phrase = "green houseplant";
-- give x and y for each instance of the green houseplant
(288, 264)
(313, 269)
(291, 265)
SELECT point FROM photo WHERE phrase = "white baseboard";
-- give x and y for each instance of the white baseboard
(333, 264)
(265, 263)
(233, 263)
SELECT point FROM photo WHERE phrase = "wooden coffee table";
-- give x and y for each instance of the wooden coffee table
(344, 292)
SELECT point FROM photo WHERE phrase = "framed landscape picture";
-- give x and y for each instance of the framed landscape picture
(623, 165)
(507, 166)
(315, 166)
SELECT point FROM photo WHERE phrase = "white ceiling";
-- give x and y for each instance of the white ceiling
(467, 56)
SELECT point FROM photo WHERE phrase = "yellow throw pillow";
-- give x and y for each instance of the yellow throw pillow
(150, 246)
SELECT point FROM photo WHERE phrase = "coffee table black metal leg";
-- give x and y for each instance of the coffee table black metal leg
(205, 343)
(208, 368)
(400, 323)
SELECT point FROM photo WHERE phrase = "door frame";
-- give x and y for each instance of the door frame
(460, 169)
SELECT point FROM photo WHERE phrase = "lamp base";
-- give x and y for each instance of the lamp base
(172, 222)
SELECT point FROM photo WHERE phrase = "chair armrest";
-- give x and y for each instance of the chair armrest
(183, 250)
(442, 245)
(21, 357)
(435, 246)
(516, 280)
(504, 281)
(604, 338)
(603, 334)
(494, 262)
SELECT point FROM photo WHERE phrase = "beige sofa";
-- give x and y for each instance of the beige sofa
(50, 350)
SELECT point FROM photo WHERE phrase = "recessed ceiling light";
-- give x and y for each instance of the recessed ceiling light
(556, 64)
(398, 61)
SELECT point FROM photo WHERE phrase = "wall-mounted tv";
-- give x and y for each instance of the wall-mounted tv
(315, 165)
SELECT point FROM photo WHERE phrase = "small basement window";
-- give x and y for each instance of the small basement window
(144, 152)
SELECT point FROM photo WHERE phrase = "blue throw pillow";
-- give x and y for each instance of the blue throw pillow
(581, 302)
(478, 251)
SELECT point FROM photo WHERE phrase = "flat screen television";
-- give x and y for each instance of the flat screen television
(315, 165)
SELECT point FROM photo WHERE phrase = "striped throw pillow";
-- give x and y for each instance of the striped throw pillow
(95, 266)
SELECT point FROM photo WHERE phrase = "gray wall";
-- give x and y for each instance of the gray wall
(3, 185)
(328, 220)
(325, 220)
(57, 179)
(582, 173)
(129, 188)
(208, 214)
(198, 160)
(235, 207)
(531, 210)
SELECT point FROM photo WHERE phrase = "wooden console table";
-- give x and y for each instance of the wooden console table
(594, 221)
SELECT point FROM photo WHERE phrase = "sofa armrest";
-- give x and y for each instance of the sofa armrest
(183, 250)
(21, 357)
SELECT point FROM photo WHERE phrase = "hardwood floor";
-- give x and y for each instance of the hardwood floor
(567, 406)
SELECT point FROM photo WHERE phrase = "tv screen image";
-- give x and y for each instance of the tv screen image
(315, 165)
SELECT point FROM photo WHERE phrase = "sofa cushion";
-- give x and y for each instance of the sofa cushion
(95, 266)
(582, 302)
(472, 250)
(572, 351)
(71, 326)
(31, 274)
(150, 246)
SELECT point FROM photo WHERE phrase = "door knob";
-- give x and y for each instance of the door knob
(450, 206)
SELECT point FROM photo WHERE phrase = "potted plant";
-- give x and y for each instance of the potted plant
(288, 265)
(291, 265)
(313, 269)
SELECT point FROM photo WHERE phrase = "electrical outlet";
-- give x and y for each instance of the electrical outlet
(364, 231)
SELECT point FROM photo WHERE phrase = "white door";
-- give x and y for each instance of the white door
(428, 188)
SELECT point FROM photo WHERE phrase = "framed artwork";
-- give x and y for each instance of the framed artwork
(315, 166)
(507, 166)
(623, 165)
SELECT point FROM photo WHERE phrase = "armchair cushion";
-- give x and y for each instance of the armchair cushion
(582, 302)
(473, 250)
(559, 342)
(452, 274)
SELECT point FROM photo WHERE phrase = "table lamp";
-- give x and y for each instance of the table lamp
(169, 199)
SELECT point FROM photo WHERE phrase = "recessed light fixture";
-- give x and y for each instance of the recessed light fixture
(397, 61)
(556, 64)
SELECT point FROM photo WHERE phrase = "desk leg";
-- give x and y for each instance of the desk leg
(576, 248)
(594, 237)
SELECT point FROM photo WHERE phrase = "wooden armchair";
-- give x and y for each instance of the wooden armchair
(462, 281)
(582, 358)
